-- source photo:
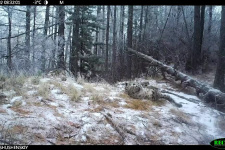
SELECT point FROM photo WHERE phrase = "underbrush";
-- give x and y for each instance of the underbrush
(43, 90)
(73, 93)
(35, 80)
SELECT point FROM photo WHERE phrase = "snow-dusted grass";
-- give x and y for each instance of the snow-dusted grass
(35, 80)
(137, 104)
(49, 114)
(73, 93)
(43, 90)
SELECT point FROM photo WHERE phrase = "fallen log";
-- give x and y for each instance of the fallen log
(205, 92)
(188, 99)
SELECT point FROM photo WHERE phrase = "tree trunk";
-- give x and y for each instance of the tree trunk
(114, 74)
(97, 31)
(33, 38)
(103, 32)
(196, 52)
(210, 19)
(129, 39)
(9, 54)
(27, 39)
(74, 56)
(107, 40)
(61, 41)
(121, 49)
(43, 59)
(140, 63)
(202, 22)
(55, 35)
(220, 71)
(68, 44)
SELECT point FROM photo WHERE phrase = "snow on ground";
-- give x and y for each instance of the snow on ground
(56, 119)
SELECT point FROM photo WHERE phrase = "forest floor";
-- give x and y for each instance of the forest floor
(50, 111)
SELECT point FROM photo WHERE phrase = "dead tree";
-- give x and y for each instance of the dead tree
(207, 93)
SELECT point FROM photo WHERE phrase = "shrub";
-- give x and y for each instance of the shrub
(35, 80)
(73, 93)
(44, 90)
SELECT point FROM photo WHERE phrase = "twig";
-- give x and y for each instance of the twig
(115, 126)
(190, 100)
(51, 142)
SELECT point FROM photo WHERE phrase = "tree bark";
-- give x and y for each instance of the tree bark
(27, 39)
(121, 49)
(97, 31)
(68, 44)
(220, 71)
(107, 40)
(103, 32)
(61, 41)
(9, 54)
(114, 74)
(74, 56)
(196, 51)
(202, 22)
(33, 38)
(43, 59)
(129, 39)
(210, 19)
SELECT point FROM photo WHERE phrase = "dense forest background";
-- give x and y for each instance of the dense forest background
(92, 41)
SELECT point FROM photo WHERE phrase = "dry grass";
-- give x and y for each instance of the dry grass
(15, 82)
(2, 111)
(159, 103)
(125, 96)
(81, 80)
(58, 85)
(39, 137)
(73, 93)
(89, 88)
(138, 104)
(35, 80)
(180, 114)
(18, 129)
(97, 98)
(43, 90)
(97, 109)
(21, 111)
(114, 104)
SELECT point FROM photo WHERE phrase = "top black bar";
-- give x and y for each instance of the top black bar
(110, 2)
